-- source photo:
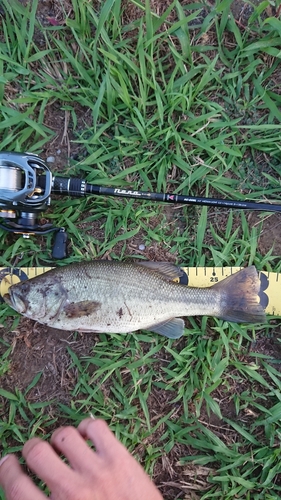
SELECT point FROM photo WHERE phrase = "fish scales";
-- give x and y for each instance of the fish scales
(108, 296)
(127, 295)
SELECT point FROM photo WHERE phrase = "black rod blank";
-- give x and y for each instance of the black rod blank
(78, 187)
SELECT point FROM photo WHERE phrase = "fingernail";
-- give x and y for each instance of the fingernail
(3, 459)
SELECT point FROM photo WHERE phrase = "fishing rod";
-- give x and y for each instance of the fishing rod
(26, 185)
(76, 187)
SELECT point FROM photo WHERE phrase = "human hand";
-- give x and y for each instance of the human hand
(109, 473)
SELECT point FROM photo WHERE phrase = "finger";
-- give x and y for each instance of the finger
(68, 440)
(43, 460)
(15, 483)
(101, 436)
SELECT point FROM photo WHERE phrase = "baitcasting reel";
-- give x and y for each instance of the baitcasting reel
(23, 197)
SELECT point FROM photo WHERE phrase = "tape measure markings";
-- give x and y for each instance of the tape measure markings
(193, 276)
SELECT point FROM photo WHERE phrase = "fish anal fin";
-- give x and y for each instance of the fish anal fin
(166, 269)
(241, 299)
(173, 328)
(80, 309)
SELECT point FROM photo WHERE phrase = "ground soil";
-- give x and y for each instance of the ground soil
(37, 348)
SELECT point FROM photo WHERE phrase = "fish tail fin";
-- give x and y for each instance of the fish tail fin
(242, 299)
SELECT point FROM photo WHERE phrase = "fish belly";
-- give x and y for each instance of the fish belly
(121, 316)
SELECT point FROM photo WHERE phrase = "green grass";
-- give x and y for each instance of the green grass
(159, 102)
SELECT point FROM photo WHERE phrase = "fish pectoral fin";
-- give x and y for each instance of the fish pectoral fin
(82, 308)
(173, 328)
(166, 269)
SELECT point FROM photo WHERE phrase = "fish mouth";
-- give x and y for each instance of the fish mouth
(15, 301)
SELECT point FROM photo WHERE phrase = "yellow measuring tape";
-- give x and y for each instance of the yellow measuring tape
(194, 276)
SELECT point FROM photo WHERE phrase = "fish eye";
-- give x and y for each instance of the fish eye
(25, 287)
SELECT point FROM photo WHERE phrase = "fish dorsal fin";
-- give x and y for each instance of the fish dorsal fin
(173, 328)
(166, 269)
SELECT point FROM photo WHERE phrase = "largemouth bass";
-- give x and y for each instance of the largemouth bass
(116, 297)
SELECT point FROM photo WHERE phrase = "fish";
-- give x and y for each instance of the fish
(102, 296)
